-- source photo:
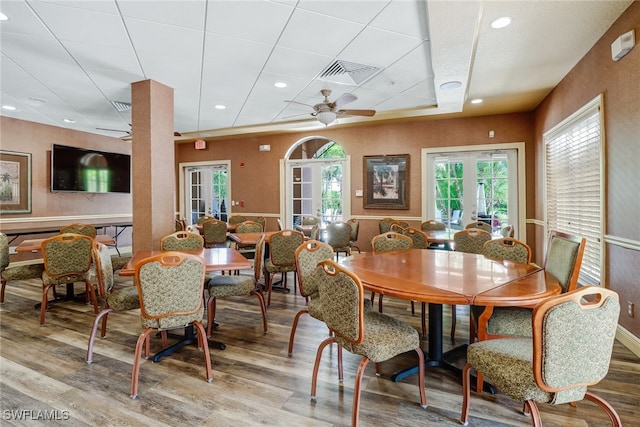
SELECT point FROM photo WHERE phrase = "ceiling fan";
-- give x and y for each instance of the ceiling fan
(128, 132)
(326, 111)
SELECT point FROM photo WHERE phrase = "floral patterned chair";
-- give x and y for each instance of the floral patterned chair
(339, 237)
(282, 248)
(182, 241)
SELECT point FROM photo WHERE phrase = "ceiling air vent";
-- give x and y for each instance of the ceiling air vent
(345, 72)
(121, 106)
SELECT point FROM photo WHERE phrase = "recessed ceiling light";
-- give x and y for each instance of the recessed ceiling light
(9, 108)
(36, 102)
(476, 101)
(3, 17)
(220, 107)
(454, 84)
(68, 120)
(501, 22)
(280, 84)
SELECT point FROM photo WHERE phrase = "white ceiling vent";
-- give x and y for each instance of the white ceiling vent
(350, 73)
(121, 106)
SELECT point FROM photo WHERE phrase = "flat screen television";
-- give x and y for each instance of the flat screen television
(92, 171)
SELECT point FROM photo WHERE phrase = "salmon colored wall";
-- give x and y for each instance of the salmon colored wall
(619, 82)
(258, 181)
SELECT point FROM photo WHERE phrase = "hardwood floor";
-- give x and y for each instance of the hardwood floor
(255, 383)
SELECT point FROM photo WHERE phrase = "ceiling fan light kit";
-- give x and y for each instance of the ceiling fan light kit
(326, 111)
(326, 117)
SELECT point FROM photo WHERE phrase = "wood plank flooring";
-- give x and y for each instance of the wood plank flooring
(44, 374)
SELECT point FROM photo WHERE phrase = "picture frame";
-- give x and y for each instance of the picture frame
(386, 182)
(15, 182)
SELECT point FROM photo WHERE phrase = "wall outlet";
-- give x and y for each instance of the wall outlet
(630, 309)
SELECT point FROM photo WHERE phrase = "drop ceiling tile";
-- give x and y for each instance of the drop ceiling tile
(360, 11)
(296, 63)
(378, 47)
(187, 14)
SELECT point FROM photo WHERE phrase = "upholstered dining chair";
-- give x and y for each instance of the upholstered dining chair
(67, 259)
(262, 221)
(282, 249)
(204, 218)
(433, 225)
(122, 299)
(481, 225)
(354, 223)
(471, 240)
(570, 350)
(507, 230)
(4, 261)
(280, 224)
(419, 238)
(248, 226)
(339, 237)
(78, 228)
(310, 220)
(388, 242)
(384, 224)
(182, 241)
(220, 286)
(22, 272)
(170, 287)
(215, 233)
(373, 335)
(237, 219)
(308, 255)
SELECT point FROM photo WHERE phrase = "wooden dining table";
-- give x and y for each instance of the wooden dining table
(34, 245)
(215, 259)
(440, 277)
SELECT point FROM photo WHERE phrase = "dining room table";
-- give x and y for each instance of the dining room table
(215, 259)
(440, 277)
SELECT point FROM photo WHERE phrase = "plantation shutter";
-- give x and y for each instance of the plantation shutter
(574, 184)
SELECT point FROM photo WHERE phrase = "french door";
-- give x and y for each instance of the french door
(466, 186)
(206, 191)
(316, 187)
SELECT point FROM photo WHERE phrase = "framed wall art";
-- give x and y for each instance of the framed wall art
(15, 182)
(386, 182)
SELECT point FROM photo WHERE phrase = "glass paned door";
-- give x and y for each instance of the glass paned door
(207, 190)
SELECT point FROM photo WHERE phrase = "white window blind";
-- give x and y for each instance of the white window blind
(574, 184)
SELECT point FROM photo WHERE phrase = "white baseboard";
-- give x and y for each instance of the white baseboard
(628, 340)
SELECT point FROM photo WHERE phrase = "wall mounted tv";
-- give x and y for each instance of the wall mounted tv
(92, 171)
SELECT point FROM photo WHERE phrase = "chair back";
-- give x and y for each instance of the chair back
(258, 259)
(508, 248)
(103, 268)
(67, 254)
(564, 258)
(182, 241)
(480, 225)
(433, 225)
(355, 227)
(308, 255)
(315, 232)
(4, 252)
(342, 299)
(262, 221)
(397, 227)
(573, 337)
(391, 241)
(338, 234)
(214, 232)
(385, 224)
(204, 219)
(419, 238)
(237, 219)
(77, 228)
(170, 289)
(283, 245)
(507, 230)
(471, 240)
(280, 225)
(249, 227)
(310, 220)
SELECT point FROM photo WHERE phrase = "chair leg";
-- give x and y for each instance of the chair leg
(466, 394)
(294, 327)
(211, 314)
(424, 319)
(535, 413)
(380, 303)
(316, 365)
(340, 365)
(423, 394)
(205, 347)
(355, 411)
(453, 322)
(43, 305)
(94, 299)
(136, 362)
(413, 308)
(94, 330)
(4, 285)
(613, 415)
(263, 308)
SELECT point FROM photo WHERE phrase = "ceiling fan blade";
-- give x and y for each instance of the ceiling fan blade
(115, 130)
(176, 133)
(344, 99)
(299, 103)
(368, 113)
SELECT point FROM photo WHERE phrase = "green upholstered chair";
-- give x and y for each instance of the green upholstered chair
(20, 272)
(78, 228)
(248, 251)
(118, 300)
(237, 219)
(282, 258)
(419, 238)
(480, 225)
(307, 257)
(310, 220)
(67, 259)
(354, 223)
(262, 221)
(373, 335)
(389, 242)
(471, 240)
(215, 234)
(433, 225)
(339, 237)
(204, 218)
(385, 224)
(170, 287)
(570, 350)
(182, 241)
(220, 286)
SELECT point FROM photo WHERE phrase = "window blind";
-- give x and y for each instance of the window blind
(573, 172)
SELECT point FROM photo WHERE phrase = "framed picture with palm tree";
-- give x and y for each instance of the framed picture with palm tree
(386, 181)
(15, 182)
